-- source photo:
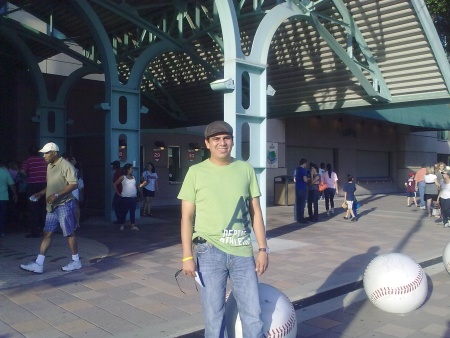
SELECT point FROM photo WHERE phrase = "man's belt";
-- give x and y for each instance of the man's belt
(199, 240)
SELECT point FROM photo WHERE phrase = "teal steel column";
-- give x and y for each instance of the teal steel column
(44, 107)
(53, 115)
(52, 124)
(236, 67)
(121, 105)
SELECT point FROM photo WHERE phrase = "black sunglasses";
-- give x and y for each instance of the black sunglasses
(176, 275)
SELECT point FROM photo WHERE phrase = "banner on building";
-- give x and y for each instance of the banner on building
(272, 155)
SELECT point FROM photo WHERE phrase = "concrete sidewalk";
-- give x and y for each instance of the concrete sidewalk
(127, 288)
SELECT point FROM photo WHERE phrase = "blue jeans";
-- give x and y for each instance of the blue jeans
(116, 205)
(313, 200)
(3, 209)
(329, 198)
(127, 204)
(214, 267)
(36, 210)
(300, 203)
(421, 188)
(445, 209)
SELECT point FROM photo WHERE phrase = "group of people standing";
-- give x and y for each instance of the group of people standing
(311, 182)
(308, 191)
(432, 184)
(127, 190)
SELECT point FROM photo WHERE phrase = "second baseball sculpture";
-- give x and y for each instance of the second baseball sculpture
(395, 283)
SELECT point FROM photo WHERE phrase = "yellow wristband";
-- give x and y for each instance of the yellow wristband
(187, 258)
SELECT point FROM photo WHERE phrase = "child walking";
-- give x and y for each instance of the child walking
(349, 197)
(410, 185)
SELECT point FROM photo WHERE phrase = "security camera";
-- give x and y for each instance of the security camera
(270, 91)
(226, 85)
(103, 106)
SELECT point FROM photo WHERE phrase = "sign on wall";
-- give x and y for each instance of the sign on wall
(191, 155)
(156, 155)
(272, 155)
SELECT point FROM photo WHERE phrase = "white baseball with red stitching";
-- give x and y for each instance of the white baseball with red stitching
(446, 257)
(277, 314)
(395, 283)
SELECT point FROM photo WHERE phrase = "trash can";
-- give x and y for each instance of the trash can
(284, 190)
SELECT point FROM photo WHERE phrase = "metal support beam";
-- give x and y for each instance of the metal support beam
(252, 118)
(115, 92)
(57, 44)
(131, 15)
(376, 88)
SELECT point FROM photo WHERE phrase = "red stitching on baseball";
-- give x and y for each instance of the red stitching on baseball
(399, 290)
(282, 331)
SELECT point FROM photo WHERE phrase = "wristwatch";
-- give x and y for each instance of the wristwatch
(56, 194)
(266, 250)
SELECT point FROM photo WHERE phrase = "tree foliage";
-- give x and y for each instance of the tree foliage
(440, 13)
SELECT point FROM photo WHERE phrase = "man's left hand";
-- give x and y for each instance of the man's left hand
(262, 262)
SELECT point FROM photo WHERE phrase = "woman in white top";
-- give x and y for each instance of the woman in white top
(330, 179)
(444, 198)
(128, 201)
(150, 184)
(431, 188)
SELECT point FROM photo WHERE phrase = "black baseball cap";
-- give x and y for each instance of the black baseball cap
(115, 164)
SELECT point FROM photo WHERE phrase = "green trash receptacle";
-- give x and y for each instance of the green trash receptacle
(284, 190)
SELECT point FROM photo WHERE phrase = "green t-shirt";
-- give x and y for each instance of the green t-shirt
(5, 181)
(221, 195)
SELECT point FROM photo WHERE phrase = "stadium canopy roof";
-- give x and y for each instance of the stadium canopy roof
(321, 62)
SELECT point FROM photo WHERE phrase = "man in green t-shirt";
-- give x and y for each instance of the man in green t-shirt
(220, 205)
(61, 207)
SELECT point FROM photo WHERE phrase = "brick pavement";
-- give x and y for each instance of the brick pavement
(127, 287)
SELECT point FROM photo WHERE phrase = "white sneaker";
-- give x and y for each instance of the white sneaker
(33, 267)
(332, 210)
(446, 225)
(73, 265)
(328, 213)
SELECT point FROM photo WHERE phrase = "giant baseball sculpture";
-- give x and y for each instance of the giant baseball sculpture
(446, 257)
(395, 283)
(277, 314)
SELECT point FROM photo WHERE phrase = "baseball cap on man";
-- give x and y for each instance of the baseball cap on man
(49, 147)
(115, 164)
(218, 127)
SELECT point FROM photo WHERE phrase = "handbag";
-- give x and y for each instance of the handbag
(322, 186)
(344, 205)
(436, 210)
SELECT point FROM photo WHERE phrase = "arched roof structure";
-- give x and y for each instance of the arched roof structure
(303, 67)
(370, 58)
